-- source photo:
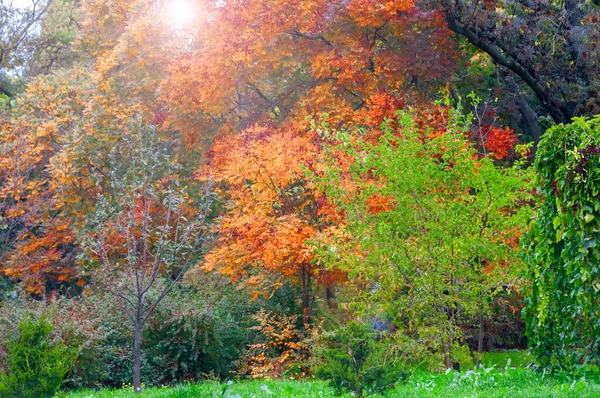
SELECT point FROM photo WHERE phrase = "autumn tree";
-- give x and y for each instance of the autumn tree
(145, 231)
(433, 228)
(271, 211)
(253, 92)
(53, 139)
(38, 243)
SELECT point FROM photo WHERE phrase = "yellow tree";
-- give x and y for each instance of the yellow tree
(60, 129)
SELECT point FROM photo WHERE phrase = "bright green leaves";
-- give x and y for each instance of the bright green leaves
(434, 228)
(563, 310)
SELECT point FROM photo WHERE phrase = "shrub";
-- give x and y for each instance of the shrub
(195, 333)
(358, 359)
(37, 364)
(105, 356)
(278, 348)
(192, 333)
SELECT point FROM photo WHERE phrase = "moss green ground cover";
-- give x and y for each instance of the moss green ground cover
(486, 382)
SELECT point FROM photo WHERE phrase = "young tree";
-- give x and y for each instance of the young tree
(431, 228)
(145, 231)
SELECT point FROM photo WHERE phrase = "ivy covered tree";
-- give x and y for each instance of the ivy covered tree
(563, 249)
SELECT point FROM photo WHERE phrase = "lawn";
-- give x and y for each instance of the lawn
(486, 382)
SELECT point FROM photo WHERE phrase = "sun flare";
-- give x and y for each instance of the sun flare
(180, 13)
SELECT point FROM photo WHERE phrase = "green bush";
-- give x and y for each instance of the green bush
(192, 333)
(357, 359)
(37, 364)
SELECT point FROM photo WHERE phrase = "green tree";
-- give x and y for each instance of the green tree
(563, 249)
(18, 27)
(546, 52)
(431, 228)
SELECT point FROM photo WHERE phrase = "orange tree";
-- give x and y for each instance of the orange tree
(261, 61)
(271, 211)
(38, 243)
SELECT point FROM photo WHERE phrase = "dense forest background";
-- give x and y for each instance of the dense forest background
(219, 187)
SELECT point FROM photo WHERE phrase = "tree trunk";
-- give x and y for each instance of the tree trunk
(532, 122)
(448, 346)
(306, 305)
(137, 356)
(480, 341)
(330, 295)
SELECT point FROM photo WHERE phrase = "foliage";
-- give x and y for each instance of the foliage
(502, 327)
(279, 350)
(359, 360)
(191, 335)
(6, 287)
(37, 365)
(432, 228)
(37, 233)
(420, 226)
(506, 358)
(81, 324)
(105, 341)
(18, 26)
(197, 333)
(271, 210)
(60, 129)
(295, 59)
(563, 250)
(54, 47)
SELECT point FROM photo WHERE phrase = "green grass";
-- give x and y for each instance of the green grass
(258, 389)
(485, 382)
(517, 358)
